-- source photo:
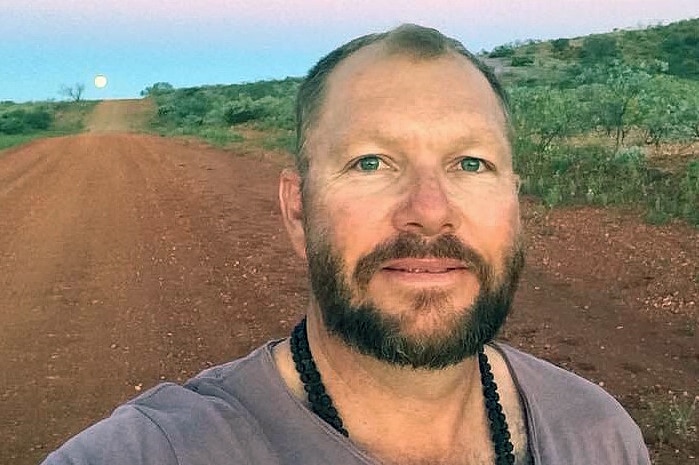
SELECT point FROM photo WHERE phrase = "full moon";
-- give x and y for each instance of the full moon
(100, 81)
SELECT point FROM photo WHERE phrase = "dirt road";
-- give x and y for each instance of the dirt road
(119, 116)
(130, 259)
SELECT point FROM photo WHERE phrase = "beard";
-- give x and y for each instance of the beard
(376, 333)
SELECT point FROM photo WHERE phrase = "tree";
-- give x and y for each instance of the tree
(502, 51)
(614, 96)
(157, 89)
(75, 92)
(545, 114)
(560, 45)
(599, 49)
(665, 109)
(681, 50)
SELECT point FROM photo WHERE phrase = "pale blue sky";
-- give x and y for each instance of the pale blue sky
(45, 44)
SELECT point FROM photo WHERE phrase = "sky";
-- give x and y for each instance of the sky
(48, 44)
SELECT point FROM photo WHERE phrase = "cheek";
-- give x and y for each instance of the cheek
(499, 218)
(494, 204)
(355, 227)
(491, 218)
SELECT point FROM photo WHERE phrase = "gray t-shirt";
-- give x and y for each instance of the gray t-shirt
(242, 413)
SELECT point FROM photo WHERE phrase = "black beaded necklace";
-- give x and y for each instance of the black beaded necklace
(322, 404)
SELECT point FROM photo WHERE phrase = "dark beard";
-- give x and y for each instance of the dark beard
(372, 332)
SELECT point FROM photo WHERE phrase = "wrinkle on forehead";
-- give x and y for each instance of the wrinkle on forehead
(372, 82)
(361, 68)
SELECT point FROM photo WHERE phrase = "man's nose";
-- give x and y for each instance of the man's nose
(427, 208)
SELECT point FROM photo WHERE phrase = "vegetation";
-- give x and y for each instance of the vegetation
(674, 420)
(591, 116)
(22, 122)
(74, 93)
(212, 112)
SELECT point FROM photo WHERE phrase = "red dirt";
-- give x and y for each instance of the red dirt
(128, 259)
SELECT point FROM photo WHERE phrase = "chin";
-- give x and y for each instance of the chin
(408, 320)
(425, 312)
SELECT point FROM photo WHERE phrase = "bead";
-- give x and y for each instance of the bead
(321, 403)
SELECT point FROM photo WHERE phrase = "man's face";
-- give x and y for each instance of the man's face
(411, 215)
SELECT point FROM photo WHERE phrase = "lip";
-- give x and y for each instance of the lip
(424, 265)
(429, 272)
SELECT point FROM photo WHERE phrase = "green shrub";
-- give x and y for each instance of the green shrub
(39, 119)
(242, 110)
(13, 122)
(522, 60)
(502, 51)
(599, 49)
(219, 136)
(22, 122)
(25, 120)
(560, 45)
(266, 104)
(284, 140)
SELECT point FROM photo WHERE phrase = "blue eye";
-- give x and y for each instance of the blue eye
(368, 163)
(472, 165)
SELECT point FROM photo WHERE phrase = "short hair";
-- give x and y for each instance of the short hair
(410, 39)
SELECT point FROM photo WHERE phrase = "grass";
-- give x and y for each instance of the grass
(69, 118)
(217, 136)
(673, 421)
(592, 173)
(10, 140)
(284, 140)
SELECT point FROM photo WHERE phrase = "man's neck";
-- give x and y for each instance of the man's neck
(398, 413)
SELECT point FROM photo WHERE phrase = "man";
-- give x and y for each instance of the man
(405, 205)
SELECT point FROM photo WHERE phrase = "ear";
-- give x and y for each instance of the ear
(292, 209)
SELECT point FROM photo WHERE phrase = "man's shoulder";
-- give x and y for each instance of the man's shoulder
(544, 385)
(535, 372)
(213, 392)
(570, 417)
(199, 422)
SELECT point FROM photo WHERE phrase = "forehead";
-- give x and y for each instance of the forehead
(374, 90)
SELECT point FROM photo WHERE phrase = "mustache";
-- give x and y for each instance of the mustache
(411, 245)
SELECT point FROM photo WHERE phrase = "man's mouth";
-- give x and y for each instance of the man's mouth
(424, 265)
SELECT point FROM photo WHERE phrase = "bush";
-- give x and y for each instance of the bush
(156, 89)
(13, 122)
(524, 60)
(39, 119)
(595, 174)
(560, 45)
(502, 51)
(242, 110)
(599, 49)
(25, 121)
